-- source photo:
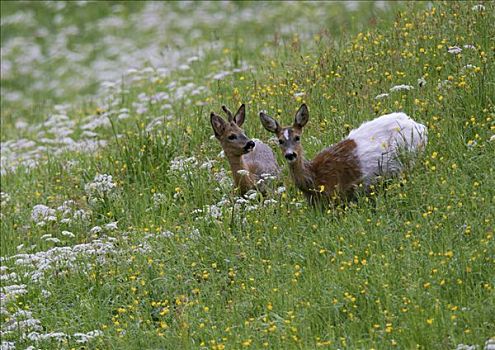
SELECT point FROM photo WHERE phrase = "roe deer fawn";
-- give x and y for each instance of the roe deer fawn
(370, 151)
(250, 160)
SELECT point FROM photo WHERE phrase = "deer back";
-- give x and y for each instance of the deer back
(261, 160)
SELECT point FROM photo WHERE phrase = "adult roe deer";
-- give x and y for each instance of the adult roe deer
(370, 151)
(250, 160)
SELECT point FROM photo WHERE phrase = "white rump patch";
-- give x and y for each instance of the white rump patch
(380, 141)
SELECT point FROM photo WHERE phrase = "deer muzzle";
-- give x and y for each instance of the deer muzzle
(249, 146)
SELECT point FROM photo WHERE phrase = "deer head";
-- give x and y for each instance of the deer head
(232, 138)
(289, 138)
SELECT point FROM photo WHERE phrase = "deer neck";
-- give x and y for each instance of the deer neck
(244, 182)
(302, 174)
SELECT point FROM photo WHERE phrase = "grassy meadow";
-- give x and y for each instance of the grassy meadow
(120, 228)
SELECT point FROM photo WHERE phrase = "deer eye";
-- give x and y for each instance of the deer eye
(232, 137)
(280, 141)
(297, 138)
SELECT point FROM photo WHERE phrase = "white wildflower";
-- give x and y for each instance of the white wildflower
(221, 75)
(123, 116)
(469, 46)
(181, 164)
(45, 293)
(299, 94)
(64, 258)
(10, 292)
(421, 82)
(7, 345)
(208, 164)
(267, 176)
(478, 8)
(192, 59)
(270, 201)
(95, 230)
(59, 336)
(243, 172)
(8, 276)
(401, 87)
(158, 199)
(4, 199)
(166, 234)
(241, 200)
(22, 320)
(281, 190)
(214, 211)
(195, 234)
(380, 96)
(251, 194)
(455, 50)
(68, 234)
(490, 344)
(251, 207)
(101, 186)
(85, 337)
(111, 226)
(465, 347)
(492, 138)
(41, 214)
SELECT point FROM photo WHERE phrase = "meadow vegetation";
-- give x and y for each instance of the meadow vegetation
(119, 225)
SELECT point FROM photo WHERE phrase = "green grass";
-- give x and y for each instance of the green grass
(412, 265)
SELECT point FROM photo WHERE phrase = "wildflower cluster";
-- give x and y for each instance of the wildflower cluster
(101, 188)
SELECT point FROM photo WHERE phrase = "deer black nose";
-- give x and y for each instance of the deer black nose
(290, 156)
(249, 145)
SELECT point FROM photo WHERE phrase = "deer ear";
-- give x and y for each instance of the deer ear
(302, 116)
(240, 115)
(269, 123)
(218, 124)
(227, 111)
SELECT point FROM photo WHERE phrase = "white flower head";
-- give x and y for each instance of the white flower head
(95, 230)
(4, 199)
(41, 214)
(455, 50)
(251, 194)
(102, 185)
(158, 199)
(243, 172)
(478, 8)
(401, 87)
(7, 345)
(380, 96)
(490, 344)
(111, 226)
(181, 164)
(465, 347)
